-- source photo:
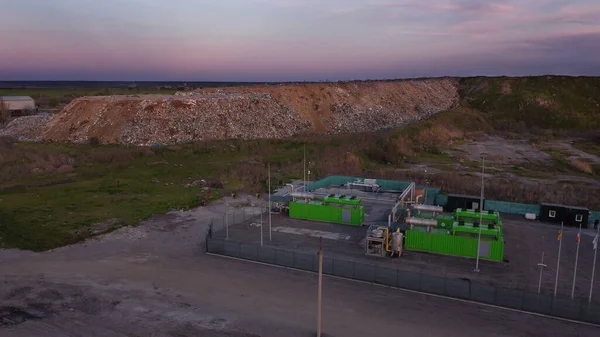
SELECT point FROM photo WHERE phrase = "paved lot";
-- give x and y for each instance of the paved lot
(525, 242)
(155, 280)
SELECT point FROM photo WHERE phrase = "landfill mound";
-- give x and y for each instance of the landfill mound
(26, 128)
(250, 112)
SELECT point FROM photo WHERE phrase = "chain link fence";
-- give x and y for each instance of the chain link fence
(575, 309)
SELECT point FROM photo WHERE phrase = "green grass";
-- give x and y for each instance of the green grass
(591, 146)
(40, 212)
(43, 217)
(543, 102)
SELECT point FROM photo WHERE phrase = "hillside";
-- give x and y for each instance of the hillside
(250, 112)
(542, 102)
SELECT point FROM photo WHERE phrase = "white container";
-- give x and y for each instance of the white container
(530, 216)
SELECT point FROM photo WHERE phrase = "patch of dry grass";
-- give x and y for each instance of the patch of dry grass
(582, 166)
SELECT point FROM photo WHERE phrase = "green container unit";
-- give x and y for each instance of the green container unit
(341, 200)
(469, 216)
(469, 230)
(445, 221)
(453, 245)
(336, 213)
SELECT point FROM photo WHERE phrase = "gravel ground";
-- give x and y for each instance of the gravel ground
(155, 280)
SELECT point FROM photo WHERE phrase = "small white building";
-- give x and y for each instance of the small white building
(17, 105)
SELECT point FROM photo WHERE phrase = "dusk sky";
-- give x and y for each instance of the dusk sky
(295, 40)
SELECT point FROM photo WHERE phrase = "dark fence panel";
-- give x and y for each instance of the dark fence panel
(231, 248)
(249, 252)
(408, 280)
(566, 308)
(433, 284)
(386, 276)
(537, 303)
(509, 298)
(457, 288)
(327, 265)
(266, 255)
(364, 272)
(343, 268)
(306, 262)
(483, 293)
(284, 258)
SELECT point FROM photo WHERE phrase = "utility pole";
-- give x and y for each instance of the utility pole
(320, 291)
(480, 212)
(542, 266)
(226, 227)
(304, 161)
(269, 168)
(594, 264)
(558, 261)
(576, 260)
(261, 225)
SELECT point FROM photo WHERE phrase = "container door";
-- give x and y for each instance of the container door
(484, 249)
(346, 215)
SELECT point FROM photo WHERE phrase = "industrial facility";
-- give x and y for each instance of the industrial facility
(410, 222)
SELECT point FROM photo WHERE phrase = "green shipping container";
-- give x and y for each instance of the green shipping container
(315, 210)
(453, 245)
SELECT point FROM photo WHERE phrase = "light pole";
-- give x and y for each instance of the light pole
(594, 264)
(542, 266)
(480, 211)
(425, 192)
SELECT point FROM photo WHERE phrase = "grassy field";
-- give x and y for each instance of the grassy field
(47, 209)
(43, 211)
(535, 103)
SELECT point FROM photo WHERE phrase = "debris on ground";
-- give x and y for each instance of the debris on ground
(251, 112)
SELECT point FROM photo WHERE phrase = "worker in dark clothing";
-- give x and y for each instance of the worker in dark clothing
(596, 224)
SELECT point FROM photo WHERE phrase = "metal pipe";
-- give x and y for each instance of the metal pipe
(409, 189)
(422, 222)
(430, 208)
(303, 195)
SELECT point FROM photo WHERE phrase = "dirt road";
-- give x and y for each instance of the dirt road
(154, 280)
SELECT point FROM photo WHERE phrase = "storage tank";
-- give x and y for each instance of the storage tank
(397, 240)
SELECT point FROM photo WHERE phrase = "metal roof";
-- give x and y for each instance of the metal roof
(16, 98)
(564, 206)
(464, 196)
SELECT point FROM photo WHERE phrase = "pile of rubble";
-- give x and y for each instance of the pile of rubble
(26, 128)
(265, 111)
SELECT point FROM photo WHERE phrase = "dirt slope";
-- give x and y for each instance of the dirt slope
(265, 111)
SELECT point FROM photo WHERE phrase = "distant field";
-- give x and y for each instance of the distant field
(52, 98)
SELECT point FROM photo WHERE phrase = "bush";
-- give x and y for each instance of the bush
(95, 141)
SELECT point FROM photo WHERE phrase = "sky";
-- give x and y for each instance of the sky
(295, 40)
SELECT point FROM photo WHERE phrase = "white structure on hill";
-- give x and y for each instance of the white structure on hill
(17, 105)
